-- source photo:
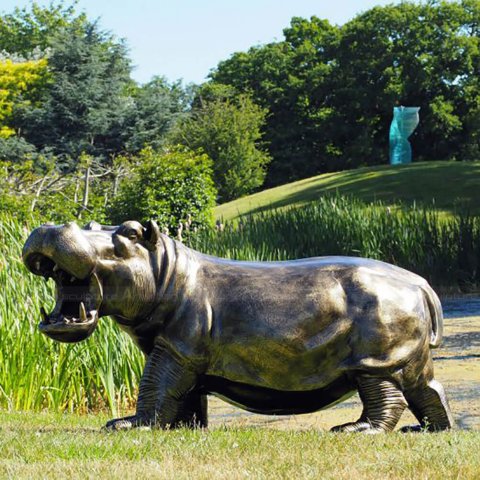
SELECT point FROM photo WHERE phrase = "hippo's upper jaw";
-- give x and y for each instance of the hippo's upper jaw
(97, 270)
(79, 291)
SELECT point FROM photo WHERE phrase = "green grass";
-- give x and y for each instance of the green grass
(446, 183)
(68, 446)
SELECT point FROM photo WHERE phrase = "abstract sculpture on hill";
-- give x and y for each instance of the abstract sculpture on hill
(269, 337)
(405, 121)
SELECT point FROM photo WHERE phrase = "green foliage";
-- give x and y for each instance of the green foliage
(155, 108)
(228, 129)
(90, 104)
(31, 29)
(169, 186)
(83, 108)
(330, 90)
(34, 187)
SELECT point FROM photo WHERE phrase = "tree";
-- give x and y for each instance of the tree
(228, 129)
(21, 85)
(330, 90)
(288, 79)
(153, 111)
(28, 30)
(170, 186)
(83, 107)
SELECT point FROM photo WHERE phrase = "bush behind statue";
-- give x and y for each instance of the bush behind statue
(168, 186)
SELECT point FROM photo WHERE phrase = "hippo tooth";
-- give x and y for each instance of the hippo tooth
(83, 313)
(44, 315)
(37, 265)
(72, 279)
(55, 268)
(96, 289)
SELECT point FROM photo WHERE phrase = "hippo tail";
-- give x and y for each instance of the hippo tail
(436, 315)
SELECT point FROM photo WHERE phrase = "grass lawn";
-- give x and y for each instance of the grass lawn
(69, 446)
(243, 445)
(424, 182)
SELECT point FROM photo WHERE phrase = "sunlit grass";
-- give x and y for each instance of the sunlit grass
(447, 184)
(55, 446)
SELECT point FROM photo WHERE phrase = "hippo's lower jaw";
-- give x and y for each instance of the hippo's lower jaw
(76, 311)
(69, 330)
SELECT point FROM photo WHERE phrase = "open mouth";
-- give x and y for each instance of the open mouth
(78, 301)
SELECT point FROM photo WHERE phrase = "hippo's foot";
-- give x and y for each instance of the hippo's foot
(383, 405)
(192, 413)
(127, 423)
(354, 427)
(429, 404)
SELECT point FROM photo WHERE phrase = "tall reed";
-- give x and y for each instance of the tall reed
(445, 249)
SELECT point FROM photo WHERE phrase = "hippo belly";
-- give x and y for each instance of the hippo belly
(278, 402)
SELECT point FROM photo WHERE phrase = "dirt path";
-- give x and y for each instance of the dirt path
(457, 366)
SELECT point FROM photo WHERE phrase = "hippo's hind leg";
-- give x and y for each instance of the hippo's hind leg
(383, 405)
(429, 404)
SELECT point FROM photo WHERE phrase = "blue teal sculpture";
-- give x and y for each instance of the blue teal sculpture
(405, 121)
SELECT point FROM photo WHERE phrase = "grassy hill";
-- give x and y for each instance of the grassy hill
(445, 183)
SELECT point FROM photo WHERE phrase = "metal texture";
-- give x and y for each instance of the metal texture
(269, 337)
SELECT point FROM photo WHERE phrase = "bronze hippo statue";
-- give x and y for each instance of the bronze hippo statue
(270, 337)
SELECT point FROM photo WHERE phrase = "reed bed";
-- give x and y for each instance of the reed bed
(443, 248)
(103, 371)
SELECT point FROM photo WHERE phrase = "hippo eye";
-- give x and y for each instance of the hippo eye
(131, 234)
(131, 230)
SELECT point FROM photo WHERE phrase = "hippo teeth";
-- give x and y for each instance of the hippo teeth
(82, 312)
(77, 300)
(96, 289)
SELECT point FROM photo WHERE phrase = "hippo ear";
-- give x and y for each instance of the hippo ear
(151, 234)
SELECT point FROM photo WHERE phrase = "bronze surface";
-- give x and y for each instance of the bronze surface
(270, 337)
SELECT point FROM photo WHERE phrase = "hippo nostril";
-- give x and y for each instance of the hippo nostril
(40, 264)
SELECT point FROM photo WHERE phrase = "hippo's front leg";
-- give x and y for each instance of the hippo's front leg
(166, 393)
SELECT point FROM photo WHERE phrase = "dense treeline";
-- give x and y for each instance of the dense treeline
(77, 133)
(330, 89)
(75, 128)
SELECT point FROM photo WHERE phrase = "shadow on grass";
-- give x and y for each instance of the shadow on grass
(462, 341)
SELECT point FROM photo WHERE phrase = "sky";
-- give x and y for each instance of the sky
(185, 39)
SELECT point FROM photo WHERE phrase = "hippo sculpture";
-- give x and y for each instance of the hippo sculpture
(269, 337)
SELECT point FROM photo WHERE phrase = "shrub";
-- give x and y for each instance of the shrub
(167, 186)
